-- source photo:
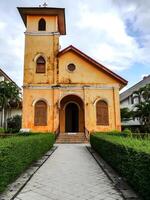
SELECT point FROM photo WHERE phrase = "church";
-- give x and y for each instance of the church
(64, 91)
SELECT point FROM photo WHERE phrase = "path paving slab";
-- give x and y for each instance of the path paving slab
(71, 173)
(120, 183)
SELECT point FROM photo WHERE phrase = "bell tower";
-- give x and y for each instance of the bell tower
(43, 27)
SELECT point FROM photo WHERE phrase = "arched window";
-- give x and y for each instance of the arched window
(40, 65)
(102, 117)
(40, 113)
(42, 25)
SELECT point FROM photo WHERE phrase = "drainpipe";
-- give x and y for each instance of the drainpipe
(114, 99)
(84, 98)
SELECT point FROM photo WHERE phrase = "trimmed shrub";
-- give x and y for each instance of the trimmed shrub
(14, 124)
(129, 156)
(127, 132)
(27, 133)
(115, 133)
(2, 130)
(18, 153)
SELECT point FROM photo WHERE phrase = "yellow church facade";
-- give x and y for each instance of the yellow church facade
(64, 91)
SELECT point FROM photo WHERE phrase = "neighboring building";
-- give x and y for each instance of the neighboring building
(65, 91)
(14, 110)
(5, 77)
(128, 100)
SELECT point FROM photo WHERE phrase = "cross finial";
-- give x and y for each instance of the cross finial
(45, 4)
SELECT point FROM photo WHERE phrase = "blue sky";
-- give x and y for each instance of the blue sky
(114, 32)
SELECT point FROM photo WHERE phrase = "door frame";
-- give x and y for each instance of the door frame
(63, 102)
(77, 115)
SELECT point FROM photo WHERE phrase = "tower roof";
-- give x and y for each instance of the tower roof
(47, 11)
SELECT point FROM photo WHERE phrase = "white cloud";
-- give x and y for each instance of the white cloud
(111, 43)
(96, 27)
(114, 47)
(2, 25)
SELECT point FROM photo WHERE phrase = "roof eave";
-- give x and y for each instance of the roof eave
(48, 11)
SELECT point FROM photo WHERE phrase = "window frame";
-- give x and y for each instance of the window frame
(102, 115)
(71, 70)
(42, 25)
(37, 122)
(39, 63)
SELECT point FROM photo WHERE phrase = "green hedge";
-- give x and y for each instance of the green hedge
(129, 156)
(18, 153)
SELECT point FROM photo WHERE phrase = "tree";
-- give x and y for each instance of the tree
(14, 124)
(142, 108)
(126, 114)
(9, 95)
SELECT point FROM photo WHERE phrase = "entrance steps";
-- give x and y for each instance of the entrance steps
(71, 138)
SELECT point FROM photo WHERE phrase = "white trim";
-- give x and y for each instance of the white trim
(64, 108)
(98, 87)
(41, 33)
(65, 95)
(40, 99)
(35, 63)
(38, 55)
(100, 99)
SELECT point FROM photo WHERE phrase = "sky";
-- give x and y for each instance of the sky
(115, 33)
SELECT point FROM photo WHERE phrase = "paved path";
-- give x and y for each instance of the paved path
(71, 173)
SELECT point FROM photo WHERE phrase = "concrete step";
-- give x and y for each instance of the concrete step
(67, 138)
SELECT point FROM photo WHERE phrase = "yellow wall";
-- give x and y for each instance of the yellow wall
(89, 96)
(44, 43)
(85, 73)
(30, 97)
(38, 86)
(109, 95)
(34, 47)
(51, 23)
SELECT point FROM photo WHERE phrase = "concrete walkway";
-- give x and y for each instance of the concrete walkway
(71, 173)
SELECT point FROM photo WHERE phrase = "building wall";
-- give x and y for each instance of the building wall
(30, 97)
(47, 46)
(127, 100)
(53, 98)
(129, 103)
(10, 113)
(87, 81)
(111, 97)
(44, 43)
(85, 73)
(51, 23)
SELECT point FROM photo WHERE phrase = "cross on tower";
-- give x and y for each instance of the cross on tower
(45, 4)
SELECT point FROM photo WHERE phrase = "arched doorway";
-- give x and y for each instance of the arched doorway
(71, 118)
(71, 114)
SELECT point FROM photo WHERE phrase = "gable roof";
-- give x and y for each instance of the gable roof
(94, 62)
(2, 73)
(124, 95)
